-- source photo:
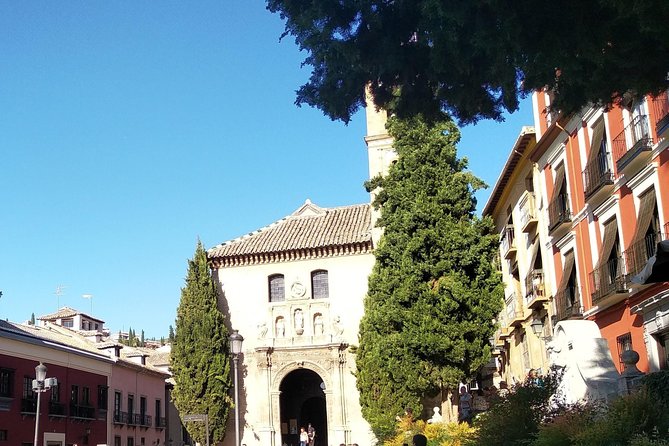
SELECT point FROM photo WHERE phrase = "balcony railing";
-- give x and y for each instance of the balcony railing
(28, 405)
(639, 252)
(535, 289)
(82, 411)
(56, 408)
(567, 304)
(161, 422)
(558, 211)
(660, 107)
(133, 419)
(610, 278)
(514, 309)
(120, 417)
(508, 242)
(597, 174)
(144, 420)
(528, 212)
(633, 140)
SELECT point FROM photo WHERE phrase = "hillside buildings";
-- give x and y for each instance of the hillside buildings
(580, 206)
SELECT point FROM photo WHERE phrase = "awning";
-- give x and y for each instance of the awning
(657, 267)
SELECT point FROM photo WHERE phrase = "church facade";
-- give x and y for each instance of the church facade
(294, 290)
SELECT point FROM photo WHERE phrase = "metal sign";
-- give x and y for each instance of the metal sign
(195, 417)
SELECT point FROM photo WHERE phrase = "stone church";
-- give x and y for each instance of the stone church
(294, 290)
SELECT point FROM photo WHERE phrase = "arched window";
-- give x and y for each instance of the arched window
(277, 290)
(319, 284)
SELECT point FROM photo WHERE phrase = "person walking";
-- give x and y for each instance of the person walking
(304, 437)
(311, 433)
(465, 405)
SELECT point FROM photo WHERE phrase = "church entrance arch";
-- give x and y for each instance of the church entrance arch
(302, 402)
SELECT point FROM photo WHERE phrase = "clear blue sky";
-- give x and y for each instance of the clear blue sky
(128, 129)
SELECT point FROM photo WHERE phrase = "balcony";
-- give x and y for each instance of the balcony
(56, 409)
(528, 213)
(508, 242)
(597, 177)
(133, 419)
(28, 405)
(558, 212)
(144, 420)
(660, 106)
(514, 311)
(161, 423)
(535, 289)
(637, 255)
(632, 147)
(608, 280)
(567, 305)
(120, 417)
(82, 411)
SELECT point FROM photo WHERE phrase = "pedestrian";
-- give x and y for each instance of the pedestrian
(464, 405)
(304, 437)
(311, 433)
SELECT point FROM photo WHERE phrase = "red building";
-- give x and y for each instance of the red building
(605, 193)
(74, 411)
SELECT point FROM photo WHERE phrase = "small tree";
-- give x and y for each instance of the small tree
(200, 358)
(32, 319)
(170, 336)
(433, 292)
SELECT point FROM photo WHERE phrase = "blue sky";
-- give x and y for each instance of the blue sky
(129, 129)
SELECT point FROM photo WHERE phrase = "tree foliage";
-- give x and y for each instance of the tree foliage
(433, 293)
(474, 59)
(200, 358)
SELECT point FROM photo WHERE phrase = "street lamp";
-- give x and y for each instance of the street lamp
(40, 385)
(537, 327)
(236, 348)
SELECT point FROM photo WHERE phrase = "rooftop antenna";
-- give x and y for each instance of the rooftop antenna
(89, 297)
(60, 290)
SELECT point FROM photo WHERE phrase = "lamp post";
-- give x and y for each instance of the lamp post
(236, 348)
(40, 385)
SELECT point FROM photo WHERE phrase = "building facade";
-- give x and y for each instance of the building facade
(600, 186)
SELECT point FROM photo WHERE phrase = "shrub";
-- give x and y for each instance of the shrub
(438, 434)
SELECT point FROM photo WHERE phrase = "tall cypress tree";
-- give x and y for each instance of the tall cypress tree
(200, 358)
(434, 292)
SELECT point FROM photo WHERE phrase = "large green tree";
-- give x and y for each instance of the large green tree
(434, 291)
(200, 361)
(474, 59)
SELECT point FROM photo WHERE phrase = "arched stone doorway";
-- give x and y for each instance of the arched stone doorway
(303, 401)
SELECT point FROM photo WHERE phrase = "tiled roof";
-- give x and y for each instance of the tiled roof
(310, 227)
(66, 312)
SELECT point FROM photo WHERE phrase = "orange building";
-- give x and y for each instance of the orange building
(604, 188)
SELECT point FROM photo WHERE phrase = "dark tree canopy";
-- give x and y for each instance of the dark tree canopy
(200, 361)
(434, 291)
(475, 59)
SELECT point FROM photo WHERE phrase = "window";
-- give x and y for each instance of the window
(74, 395)
(85, 396)
(158, 414)
(69, 323)
(142, 410)
(102, 397)
(319, 284)
(117, 441)
(55, 394)
(3, 434)
(131, 441)
(624, 343)
(28, 393)
(6, 382)
(525, 350)
(277, 290)
(131, 405)
(117, 404)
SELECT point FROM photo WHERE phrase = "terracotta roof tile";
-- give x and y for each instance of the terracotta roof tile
(307, 228)
(66, 312)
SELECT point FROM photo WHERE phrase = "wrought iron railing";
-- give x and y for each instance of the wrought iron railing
(635, 137)
(161, 422)
(513, 309)
(639, 252)
(82, 411)
(28, 405)
(144, 420)
(56, 408)
(567, 303)
(609, 278)
(120, 417)
(558, 211)
(508, 239)
(534, 285)
(597, 173)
